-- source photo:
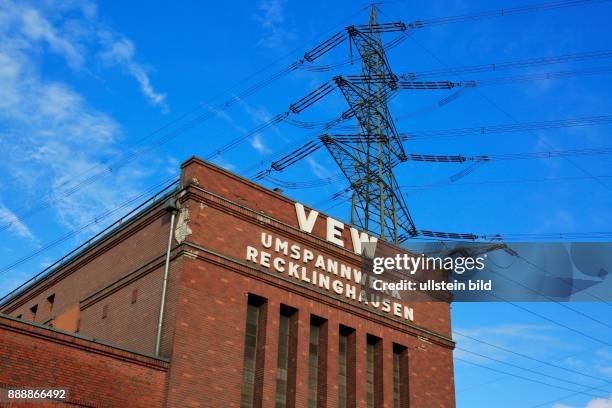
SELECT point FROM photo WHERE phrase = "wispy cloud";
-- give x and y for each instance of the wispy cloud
(319, 170)
(51, 135)
(73, 31)
(8, 218)
(272, 18)
(37, 28)
(257, 144)
(220, 161)
(530, 337)
(525, 331)
(594, 403)
(227, 118)
(258, 115)
(120, 51)
(256, 141)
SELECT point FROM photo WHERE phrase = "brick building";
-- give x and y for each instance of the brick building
(262, 307)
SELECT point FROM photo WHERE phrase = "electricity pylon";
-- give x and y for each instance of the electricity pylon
(368, 160)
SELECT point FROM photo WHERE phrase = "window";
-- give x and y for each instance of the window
(400, 377)
(346, 367)
(374, 371)
(254, 341)
(19, 316)
(33, 311)
(317, 362)
(396, 380)
(104, 311)
(286, 357)
(134, 296)
(50, 301)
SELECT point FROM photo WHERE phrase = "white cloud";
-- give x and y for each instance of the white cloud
(12, 222)
(121, 51)
(530, 337)
(257, 144)
(227, 118)
(594, 403)
(51, 136)
(72, 30)
(37, 28)
(526, 331)
(604, 353)
(259, 115)
(318, 170)
(272, 19)
(256, 141)
(600, 403)
(219, 161)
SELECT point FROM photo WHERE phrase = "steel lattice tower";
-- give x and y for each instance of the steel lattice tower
(368, 160)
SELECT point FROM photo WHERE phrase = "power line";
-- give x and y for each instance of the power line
(511, 117)
(509, 128)
(473, 83)
(166, 184)
(538, 77)
(158, 196)
(528, 357)
(525, 378)
(458, 158)
(338, 199)
(510, 156)
(469, 131)
(561, 398)
(376, 70)
(107, 167)
(517, 236)
(508, 181)
(508, 65)
(551, 299)
(601, 387)
(548, 319)
(503, 377)
(569, 285)
(530, 8)
(429, 158)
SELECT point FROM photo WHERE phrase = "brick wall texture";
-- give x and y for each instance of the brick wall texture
(111, 293)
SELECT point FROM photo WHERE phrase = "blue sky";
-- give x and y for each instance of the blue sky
(82, 83)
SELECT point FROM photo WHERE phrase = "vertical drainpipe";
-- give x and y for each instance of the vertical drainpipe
(172, 208)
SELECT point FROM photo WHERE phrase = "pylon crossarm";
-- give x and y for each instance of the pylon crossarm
(364, 105)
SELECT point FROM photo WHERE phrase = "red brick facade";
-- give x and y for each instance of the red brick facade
(94, 374)
(112, 292)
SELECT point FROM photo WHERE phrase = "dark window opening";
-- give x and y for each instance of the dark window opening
(104, 311)
(50, 301)
(317, 363)
(401, 398)
(134, 296)
(254, 343)
(286, 357)
(346, 368)
(374, 372)
(33, 311)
